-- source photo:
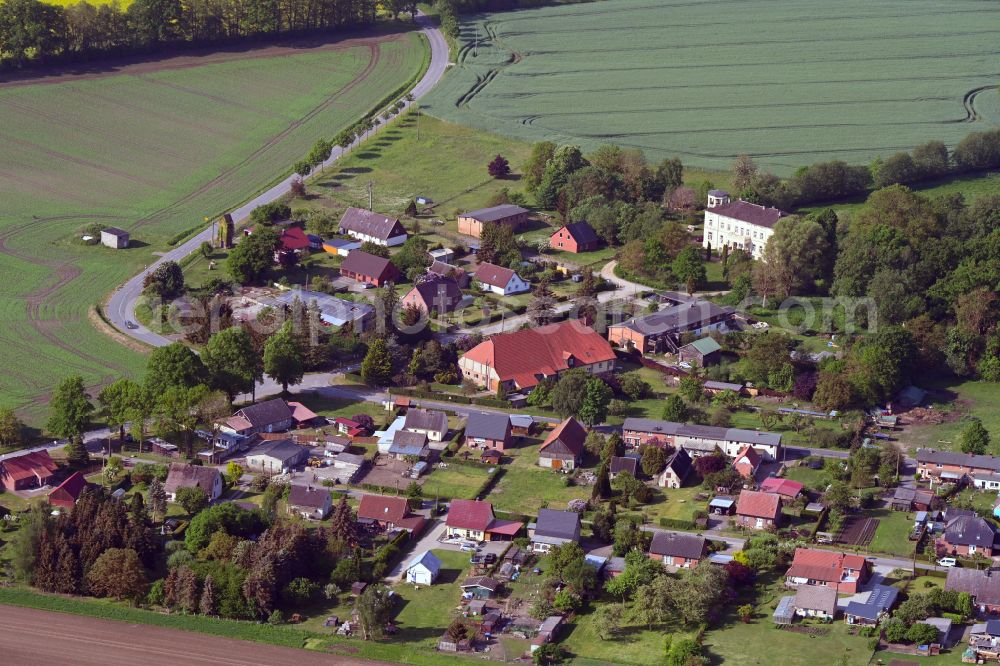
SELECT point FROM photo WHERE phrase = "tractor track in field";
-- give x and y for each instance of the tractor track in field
(375, 56)
(64, 273)
(969, 102)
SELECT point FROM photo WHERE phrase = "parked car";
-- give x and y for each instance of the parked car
(947, 562)
(469, 547)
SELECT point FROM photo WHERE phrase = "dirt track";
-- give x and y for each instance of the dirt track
(42, 637)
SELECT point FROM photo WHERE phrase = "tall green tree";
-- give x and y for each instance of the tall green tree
(126, 401)
(975, 438)
(283, 357)
(569, 392)
(233, 365)
(77, 456)
(376, 368)
(173, 366)
(253, 256)
(689, 268)
(11, 428)
(597, 397)
(69, 409)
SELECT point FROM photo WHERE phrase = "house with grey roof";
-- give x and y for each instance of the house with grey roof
(266, 416)
(406, 444)
(181, 475)
(423, 569)
(277, 456)
(660, 332)
(431, 423)
(488, 430)
(309, 501)
(371, 227)
(554, 528)
(700, 440)
(816, 601)
(739, 225)
(679, 550)
(621, 464)
(968, 535)
(471, 223)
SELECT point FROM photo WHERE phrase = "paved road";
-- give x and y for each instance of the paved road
(43, 637)
(121, 305)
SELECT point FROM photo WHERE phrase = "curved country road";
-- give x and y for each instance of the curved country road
(44, 637)
(121, 305)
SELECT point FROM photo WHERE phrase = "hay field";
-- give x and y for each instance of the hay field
(789, 82)
(154, 148)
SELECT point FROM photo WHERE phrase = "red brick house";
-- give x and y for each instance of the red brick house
(389, 513)
(967, 535)
(951, 466)
(31, 470)
(575, 237)
(843, 572)
(563, 448)
(520, 359)
(678, 549)
(758, 511)
(363, 267)
(68, 492)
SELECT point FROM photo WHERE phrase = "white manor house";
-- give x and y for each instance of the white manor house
(738, 224)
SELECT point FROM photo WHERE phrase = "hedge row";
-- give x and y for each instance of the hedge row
(677, 524)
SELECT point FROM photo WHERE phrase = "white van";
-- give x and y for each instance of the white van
(947, 562)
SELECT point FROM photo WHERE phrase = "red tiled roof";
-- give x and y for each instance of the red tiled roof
(293, 238)
(36, 463)
(525, 354)
(785, 487)
(758, 505)
(747, 461)
(823, 565)
(505, 527)
(491, 274)
(749, 213)
(301, 413)
(69, 490)
(383, 508)
(470, 515)
(570, 433)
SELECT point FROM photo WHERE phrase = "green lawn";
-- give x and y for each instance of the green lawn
(891, 535)
(525, 487)
(446, 163)
(155, 153)
(760, 643)
(333, 407)
(454, 481)
(426, 612)
(675, 503)
(810, 478)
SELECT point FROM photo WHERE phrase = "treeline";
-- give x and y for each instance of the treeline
(836, 180)
(33, 31)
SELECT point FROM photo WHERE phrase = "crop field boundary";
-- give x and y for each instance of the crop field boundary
(154, 148)
(788, 84)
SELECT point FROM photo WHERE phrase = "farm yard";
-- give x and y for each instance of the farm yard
(154, 147)
(810, 81)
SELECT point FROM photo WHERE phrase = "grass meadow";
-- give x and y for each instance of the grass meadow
(154, 148)
(790, 83)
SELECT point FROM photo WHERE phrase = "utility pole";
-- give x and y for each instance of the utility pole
(370, 196)
(416, 118)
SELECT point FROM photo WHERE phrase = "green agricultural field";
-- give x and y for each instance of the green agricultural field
(790, 83)
(154, 148)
